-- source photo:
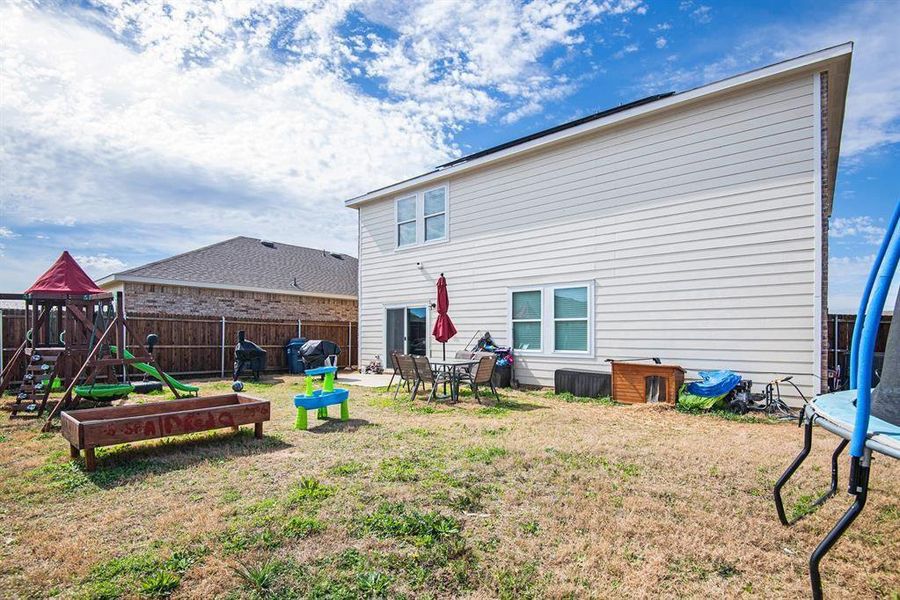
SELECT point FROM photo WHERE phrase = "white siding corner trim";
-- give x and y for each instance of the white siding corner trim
(817, 212)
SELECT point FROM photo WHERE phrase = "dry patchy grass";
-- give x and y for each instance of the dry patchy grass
(537, 497)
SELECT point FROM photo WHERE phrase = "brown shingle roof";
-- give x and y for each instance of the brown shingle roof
(248, 262)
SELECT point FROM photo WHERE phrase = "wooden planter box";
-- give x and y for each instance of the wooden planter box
(91, 428)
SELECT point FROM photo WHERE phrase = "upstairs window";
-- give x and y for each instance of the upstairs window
(435, 214)
(406, 221)
(421, 218)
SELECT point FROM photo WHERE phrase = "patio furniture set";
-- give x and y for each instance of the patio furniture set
(474, 369)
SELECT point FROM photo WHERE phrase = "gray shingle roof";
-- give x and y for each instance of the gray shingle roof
(247, 262)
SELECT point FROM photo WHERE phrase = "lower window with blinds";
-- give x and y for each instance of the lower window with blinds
(552, 319)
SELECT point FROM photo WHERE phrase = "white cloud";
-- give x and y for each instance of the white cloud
(661, 42)
(702, 14)
(863, 227)
(846, 278)
(629, 49)
(664, 26)
(7, 233)
(162, 127)
(100, 264)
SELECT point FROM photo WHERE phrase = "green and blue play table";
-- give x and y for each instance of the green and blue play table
(321, 399)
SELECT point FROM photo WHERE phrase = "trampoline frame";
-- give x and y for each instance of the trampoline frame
(862, 443)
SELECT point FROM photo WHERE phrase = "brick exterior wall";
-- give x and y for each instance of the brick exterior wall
(826, 193)
(235, 304)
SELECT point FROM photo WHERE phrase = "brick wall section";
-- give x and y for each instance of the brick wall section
(825, 216)
(234, 304)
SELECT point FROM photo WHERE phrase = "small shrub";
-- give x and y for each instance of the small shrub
(160, 585)
(302, 526)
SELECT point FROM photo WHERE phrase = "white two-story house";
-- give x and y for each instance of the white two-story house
(690, 227)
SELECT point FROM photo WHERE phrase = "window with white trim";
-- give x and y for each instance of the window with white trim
(435, 211)
(526, 320)
(406, 221)
(553, 319)
(421, 218)
(570, 319)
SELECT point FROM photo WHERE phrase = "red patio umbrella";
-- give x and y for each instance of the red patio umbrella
(443, 326)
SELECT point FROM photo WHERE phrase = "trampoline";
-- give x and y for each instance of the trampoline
(866, 419)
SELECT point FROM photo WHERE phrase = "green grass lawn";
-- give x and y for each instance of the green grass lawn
(540, 496)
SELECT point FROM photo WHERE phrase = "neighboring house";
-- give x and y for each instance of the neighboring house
(688, 226)
(244, 278)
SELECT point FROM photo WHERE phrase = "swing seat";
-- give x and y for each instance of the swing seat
(836, 412)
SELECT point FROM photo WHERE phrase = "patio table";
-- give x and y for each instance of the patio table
(454, 368)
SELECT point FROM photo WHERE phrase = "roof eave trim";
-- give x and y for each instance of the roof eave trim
(110, 280)
(796, 64)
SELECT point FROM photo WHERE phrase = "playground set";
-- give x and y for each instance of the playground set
(75, 330)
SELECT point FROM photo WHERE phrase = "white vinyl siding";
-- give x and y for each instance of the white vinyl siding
(695, 227)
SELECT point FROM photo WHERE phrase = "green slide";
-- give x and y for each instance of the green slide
(152, 372)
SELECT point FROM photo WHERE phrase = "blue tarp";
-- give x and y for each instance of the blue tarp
(715, 383)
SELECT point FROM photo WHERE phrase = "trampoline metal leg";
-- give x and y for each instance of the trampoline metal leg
(834, 473)
(861, 491)
(807, 445)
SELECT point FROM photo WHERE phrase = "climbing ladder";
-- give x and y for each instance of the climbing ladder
(37, 383)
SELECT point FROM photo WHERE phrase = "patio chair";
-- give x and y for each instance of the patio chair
(483, 375)
(425, 374)
(405, 369)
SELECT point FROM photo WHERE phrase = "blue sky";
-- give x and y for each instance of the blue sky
(131, 131)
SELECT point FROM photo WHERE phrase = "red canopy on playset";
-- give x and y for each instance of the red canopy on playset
(64, 277)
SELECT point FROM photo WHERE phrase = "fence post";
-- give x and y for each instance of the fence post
(222, 360)
(2, 342)
(350, 343)
(299, 328)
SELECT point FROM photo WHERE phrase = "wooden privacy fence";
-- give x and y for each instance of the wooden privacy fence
(204, 345)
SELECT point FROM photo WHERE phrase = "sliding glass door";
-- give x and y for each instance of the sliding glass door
(406, 330)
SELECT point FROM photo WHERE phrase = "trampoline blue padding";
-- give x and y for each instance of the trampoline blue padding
(837, 409)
